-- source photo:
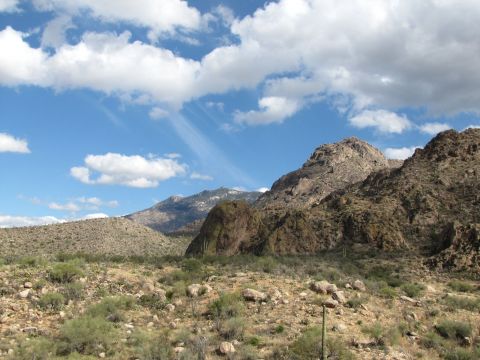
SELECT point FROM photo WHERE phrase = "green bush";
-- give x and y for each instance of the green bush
(192, 266)
(461, 286)
(52, 301)
(65, 272)
(31, 261)
(432, 340)
(460, 302)
(228, 305)
(279, 329)
(111, 308)
(355, 303)
(152, 301)
(233, 328)
(413, 290)
(73, 291)
(460, 354)
(152, 347)
(86, 335)
(308, 346)
(376, 331)
(451, 329)
(35, 349)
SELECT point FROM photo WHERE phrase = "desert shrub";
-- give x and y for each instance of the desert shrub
(376, 331)
(385, 273)
(413, 290)
(461, 302)
(178, 289)
(52, 301)
(247, 352)
(37, 349)
(40, 284)
(460, 354)
(86, 335)
(337, 350)
(153, 347)
(355, 303)
(73, 291)
(31, 261)
(65, 272)
(254, 341)
(152, 301)
(111, 308)
(233, 328)
(451, 329)
(461, 286)
(228, 305)
(388, 292)
(192, 266)
(279, 329)
(432, 340)
(176, 276)
(3, 262)
(266, 264)
(308, 345)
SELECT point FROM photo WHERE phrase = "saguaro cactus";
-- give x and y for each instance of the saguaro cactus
(324, 334)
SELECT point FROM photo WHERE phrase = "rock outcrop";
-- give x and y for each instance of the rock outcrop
(404, 208)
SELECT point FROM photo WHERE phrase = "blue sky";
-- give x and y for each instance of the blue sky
(107, 107)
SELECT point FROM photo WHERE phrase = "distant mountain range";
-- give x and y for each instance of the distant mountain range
(185, 215)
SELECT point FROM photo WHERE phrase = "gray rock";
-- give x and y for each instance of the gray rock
(254, 295)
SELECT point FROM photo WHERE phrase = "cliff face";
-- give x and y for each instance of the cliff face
(400, 208)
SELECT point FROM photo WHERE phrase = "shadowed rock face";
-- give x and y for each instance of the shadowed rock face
(402, 208)
(185, 215)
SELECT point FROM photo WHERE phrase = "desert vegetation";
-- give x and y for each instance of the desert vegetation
(244, 307)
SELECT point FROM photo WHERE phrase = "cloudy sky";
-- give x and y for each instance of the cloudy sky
(109, 106)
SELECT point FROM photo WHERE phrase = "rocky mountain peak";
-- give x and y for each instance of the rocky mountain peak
(329, 168)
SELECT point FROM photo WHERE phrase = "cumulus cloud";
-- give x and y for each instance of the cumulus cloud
(95, 216)
(54, 33)
(95, 203)
(272, 110)
(70, 206)
(134, 171)
(382, 121)
(7, 221)
(164, 16)
(9, 5)
(263, 189)
(296, 50)
(434, 128)
(198, 176)
(400, 153)
(8, 143)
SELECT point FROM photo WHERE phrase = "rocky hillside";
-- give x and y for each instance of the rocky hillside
(410, 208)
(186, 214)
(114, 236)
(329, 168)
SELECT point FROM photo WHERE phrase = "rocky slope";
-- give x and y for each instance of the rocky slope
(407, 208)
(329, 168)
(186, 214)
(114, 236)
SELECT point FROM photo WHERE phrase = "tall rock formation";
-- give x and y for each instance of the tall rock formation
(411, 208)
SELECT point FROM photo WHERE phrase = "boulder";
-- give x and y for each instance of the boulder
(323, 287)
(359, 285)
(339, 296)
(330, 303)
(254, 295)
(226, 348)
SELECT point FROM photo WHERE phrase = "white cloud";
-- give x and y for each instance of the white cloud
(382, 121)
(272, 110)
(263, 189)
(472, 127)
(158, 113)
(54, 33)
(71, 207)
(402, 54)
(95, 216)
(400, 153)
(198, 176)
(133, 171)
(8, 5)
(95, 203)
(163, 16)
(7, 221)
(8, 143)
(433, 128)
(173, 156)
